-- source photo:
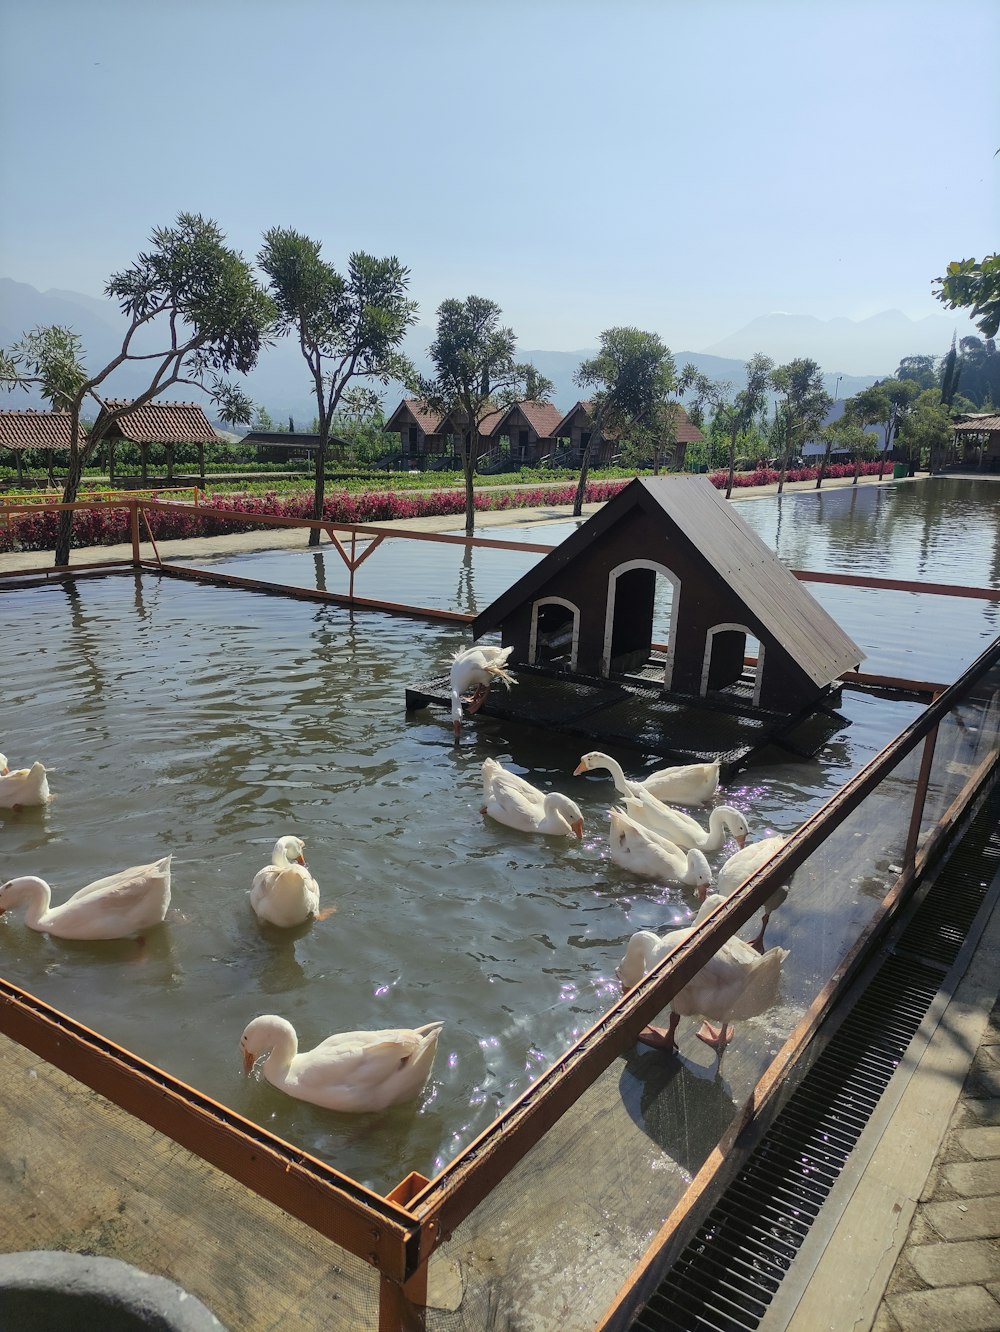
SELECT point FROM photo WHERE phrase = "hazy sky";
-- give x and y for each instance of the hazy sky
(679, 166)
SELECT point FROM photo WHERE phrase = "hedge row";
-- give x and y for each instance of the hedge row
(108, 526)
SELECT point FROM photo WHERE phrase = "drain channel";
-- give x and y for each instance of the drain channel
(728, 1274)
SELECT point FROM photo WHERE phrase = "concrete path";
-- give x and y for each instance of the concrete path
(284, 538)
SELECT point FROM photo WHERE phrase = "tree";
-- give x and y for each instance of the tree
(348, 328)
(746, 406)
(847, 434)
(474, 374)
(979, 364)
(922, 370)
(631, 374)
(973, 286)
(805, 402)
(884, 403)
(195, 313)
(926, 430)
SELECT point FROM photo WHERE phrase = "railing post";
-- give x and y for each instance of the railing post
(134, 523)
(919, 799)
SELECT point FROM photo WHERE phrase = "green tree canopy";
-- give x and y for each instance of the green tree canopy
(805, 402)
(349, 328)
(475, 373)
(195, 314)
(631, 376)
(974, 286)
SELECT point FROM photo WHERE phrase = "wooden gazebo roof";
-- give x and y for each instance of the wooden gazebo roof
(34, 430)
(160, 423)
(981, 424)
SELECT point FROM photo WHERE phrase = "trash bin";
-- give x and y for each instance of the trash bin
(900, 470)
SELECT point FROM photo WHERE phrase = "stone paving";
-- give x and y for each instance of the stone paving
(947, 1277)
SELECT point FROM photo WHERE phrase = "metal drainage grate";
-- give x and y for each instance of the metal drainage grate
(728, 1274)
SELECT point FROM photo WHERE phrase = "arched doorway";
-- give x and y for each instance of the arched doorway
(643, 598)
(725, 670)
(555, 633)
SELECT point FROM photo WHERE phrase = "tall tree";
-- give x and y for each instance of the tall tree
(926, 430)
(474, 374)
(884, 404)
(632, 372)
(922, 370)
(349, 328)
(195, 313)
(804, 402)
(975, 287)
(745, 407)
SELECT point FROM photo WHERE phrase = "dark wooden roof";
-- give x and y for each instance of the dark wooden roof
(691, 507)
(35, 430)
(160, 423)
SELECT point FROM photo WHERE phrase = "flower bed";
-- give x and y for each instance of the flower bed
(108, 525)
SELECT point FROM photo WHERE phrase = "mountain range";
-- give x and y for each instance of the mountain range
(279, 383)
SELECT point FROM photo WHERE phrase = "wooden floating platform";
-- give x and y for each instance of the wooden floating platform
(634, 711)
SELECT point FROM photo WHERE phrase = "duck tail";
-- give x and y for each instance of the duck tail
(765, 984)
(501, 673)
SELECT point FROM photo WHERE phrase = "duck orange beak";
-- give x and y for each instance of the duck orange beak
(578, 829)
(741, 841)
(702, 892)
(247, 1061)
(579, 769)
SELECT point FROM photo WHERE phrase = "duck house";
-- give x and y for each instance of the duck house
(664, 602)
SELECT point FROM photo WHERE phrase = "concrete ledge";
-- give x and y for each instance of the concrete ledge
(43, 1290)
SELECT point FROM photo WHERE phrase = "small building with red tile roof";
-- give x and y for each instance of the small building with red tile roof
(418, 428)
(530, 428)
(577, 426)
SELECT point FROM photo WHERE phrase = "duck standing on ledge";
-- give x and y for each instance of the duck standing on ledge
(476, 668)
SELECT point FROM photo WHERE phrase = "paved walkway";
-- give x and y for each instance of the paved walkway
(908, 1239)
(284, 538)
(948, 1273)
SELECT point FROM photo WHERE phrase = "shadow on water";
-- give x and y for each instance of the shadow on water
(683, 1111)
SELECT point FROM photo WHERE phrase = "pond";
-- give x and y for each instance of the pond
(208, 721)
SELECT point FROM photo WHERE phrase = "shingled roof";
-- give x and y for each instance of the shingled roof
(690, 508)
(543, 417)
(160, 423)
(686, 431)
(980, 424)
(34, 430)
(427, 420)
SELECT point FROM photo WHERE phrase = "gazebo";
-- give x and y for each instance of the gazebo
(30, 431)
(982, 431)
(166, 423)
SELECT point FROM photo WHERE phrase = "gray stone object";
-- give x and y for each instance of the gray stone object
(60, 1292)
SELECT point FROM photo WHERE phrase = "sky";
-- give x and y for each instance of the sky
(683, 167)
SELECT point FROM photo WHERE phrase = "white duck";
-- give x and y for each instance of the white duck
(23, 786)
(739, 867)
(724, 821)
(517, 804)
(115, 907)
(476, 668)
(642, 851)
(353, 1070)
(285, 893)
(692, 784)
(737, 982)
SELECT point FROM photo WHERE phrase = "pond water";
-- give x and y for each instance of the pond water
(208, 721)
